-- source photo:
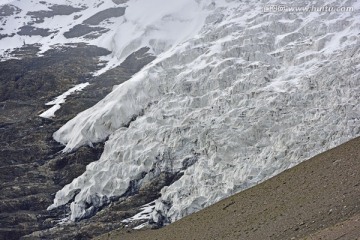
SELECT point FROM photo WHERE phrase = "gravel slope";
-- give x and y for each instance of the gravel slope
(318, 199)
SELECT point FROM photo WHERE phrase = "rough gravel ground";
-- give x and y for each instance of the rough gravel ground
(318, 199)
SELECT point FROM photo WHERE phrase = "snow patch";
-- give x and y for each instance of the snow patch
(145, 214)
(244, 107)
(56, 103)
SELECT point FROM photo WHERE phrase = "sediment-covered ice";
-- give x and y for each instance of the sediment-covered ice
(249, 96)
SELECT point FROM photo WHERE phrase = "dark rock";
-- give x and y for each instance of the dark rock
(108, 218)
(25, 51)
(82, 29)
(188, 162)
(32, 31)
(26, 144)
(35, 78)
(6, 35)
(39, 16)
(8, 10)
(105, 14)
(120, 1)
(67, 167)
(64, 9)
(32, 166)
(103, 84)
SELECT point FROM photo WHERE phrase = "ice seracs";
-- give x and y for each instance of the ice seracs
(248, 96)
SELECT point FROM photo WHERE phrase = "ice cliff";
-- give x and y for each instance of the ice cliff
(238, 97)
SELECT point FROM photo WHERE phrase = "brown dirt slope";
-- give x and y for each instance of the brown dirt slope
(318, 199)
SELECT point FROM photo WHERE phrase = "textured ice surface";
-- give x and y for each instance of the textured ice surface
(249, 96)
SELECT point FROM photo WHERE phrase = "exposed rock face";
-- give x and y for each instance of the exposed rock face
(32, 31)
(82, 30)
(105, 14)
(32, 167)
(109, 218)
(44, 77)
(26, 141)
(8, 10)
(236, 96)
(251, 95)
(6, 35)
(39, 16)
(120, 1)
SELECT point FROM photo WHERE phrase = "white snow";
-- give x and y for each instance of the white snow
(244, 94)
(50, 113)
(158, 24)
(141, 226)
(56, 103)
(57, 24)
(145, 214)
(229, 97)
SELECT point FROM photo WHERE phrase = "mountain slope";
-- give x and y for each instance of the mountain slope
(32, 167)
(122, 27)
(251, 95)
(230, 96)
(306, 200)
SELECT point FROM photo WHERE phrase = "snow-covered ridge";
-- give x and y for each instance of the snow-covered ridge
(119, 26)
(249, 96)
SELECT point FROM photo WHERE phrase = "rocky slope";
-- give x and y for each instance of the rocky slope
(251, 95)
(32, 168)
(225, 95)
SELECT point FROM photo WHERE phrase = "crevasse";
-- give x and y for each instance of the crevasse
(248, 96)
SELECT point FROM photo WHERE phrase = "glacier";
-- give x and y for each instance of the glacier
(241, 97)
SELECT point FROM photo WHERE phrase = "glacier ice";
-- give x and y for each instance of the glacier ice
(249, 96)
